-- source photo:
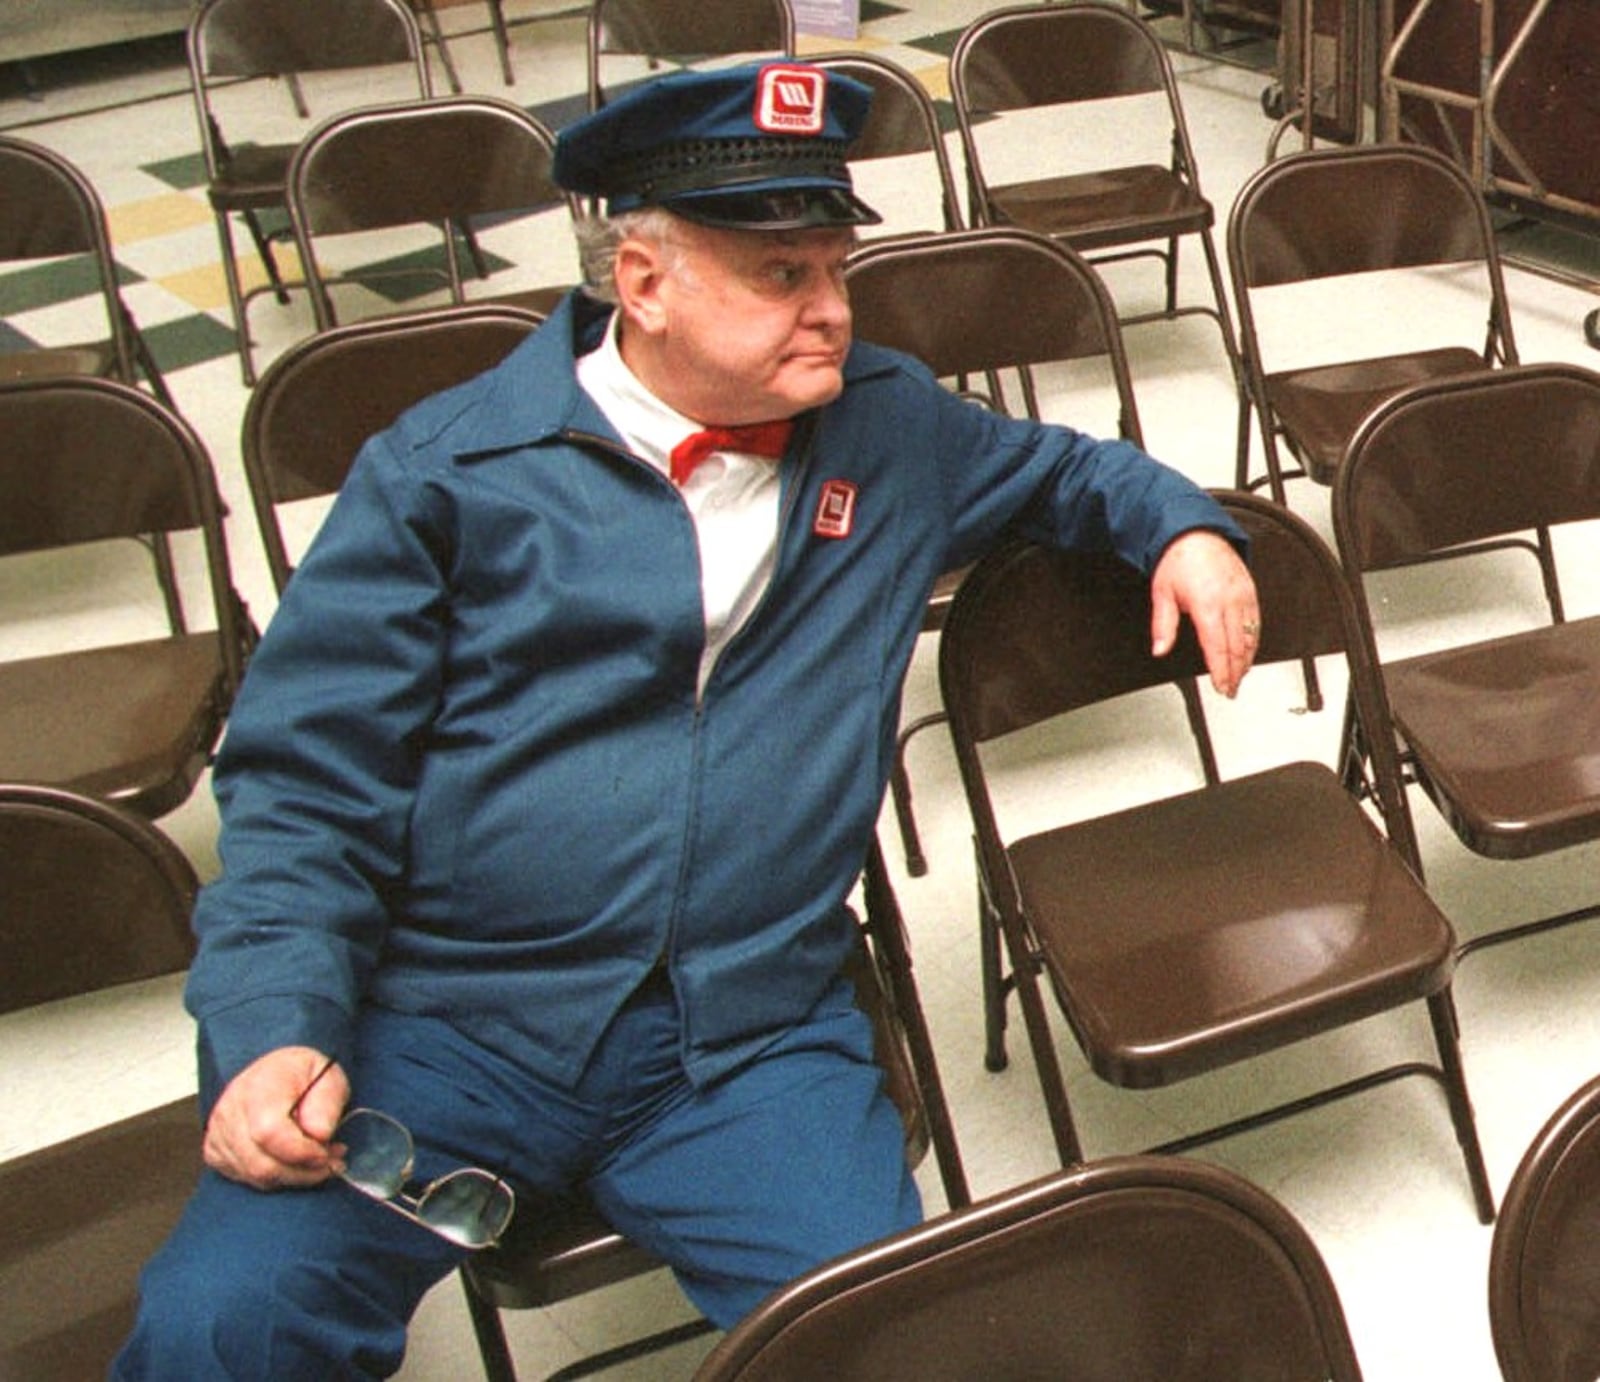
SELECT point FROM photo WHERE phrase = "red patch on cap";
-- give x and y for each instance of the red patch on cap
(790, 100)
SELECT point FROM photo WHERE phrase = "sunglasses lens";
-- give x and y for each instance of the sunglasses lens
(378, 1152)
(468, 1207)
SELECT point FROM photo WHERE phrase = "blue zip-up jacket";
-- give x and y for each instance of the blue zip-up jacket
(469, 773)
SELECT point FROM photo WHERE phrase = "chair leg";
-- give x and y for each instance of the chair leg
(1447, 1033)
(993, 976)
(1190, 690)
(900, 793)
(230, 278)
(502, 40)
(491, 1335)
(434, 34)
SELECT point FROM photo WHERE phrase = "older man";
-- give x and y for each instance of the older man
(557, 763)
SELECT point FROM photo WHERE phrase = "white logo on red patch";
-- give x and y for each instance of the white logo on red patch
(790, 100)
(836, 509)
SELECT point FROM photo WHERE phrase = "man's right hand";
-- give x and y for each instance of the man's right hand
(273, 1126)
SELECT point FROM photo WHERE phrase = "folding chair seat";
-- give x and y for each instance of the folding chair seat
(457, 163)
(1544, 1261)
(50, 210)
(359, 49)
(902, 123)
(545, 1259)
(933, 297)
(1137, 1269)
(1305, 233)
(94, 897)
(1206, 927)
(84, 461)
(324, 396)
(1080, 66)
(1500, 732)
(656, 30)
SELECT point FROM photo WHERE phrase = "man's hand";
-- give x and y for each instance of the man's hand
(1202, 576)
(273, 1126)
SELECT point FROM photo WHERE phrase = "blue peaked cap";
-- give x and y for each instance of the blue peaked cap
(760, 146)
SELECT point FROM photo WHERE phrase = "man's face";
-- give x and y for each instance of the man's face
(753, 325)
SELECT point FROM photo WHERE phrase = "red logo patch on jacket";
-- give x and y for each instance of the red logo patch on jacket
(836, 509)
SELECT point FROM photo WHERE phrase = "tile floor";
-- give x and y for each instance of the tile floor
(1377, 1180)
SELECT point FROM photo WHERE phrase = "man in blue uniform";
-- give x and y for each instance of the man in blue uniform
(561, 754)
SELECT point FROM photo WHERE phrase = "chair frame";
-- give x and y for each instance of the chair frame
(324, 396)
(1298, 622)
(489, 157)
(227, 44)
(1069, 70)
(581, 1253)
(1557, 1170)
(631, 28)
(1256, 263)
(145, 784)
(115, 1190)
(853, 1319)
(1473, 488)
(894, 313)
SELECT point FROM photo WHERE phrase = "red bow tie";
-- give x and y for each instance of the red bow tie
(759, 439)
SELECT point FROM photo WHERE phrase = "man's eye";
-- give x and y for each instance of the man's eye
(785, 275)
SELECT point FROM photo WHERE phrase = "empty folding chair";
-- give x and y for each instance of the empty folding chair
(134, 720)
(1500, 727)
(93, 898)
(650, 31)
(238, 41)
(1089, 67)
(1200, 928)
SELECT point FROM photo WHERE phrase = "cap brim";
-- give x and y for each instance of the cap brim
(775, 208)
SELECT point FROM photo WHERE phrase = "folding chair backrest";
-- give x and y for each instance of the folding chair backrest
(323, 398)
(671, 28)
(901, 122)
(85, 460)
(1356, 209)
(94, 897)
(977, 301)
(1174, 1271)
(442, 161)
(231, 39)
(1469, 458)
(1544, 1262)
(1027, 55)
(48, 210)
(1001, 651)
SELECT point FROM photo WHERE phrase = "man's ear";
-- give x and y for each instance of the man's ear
(640, 271)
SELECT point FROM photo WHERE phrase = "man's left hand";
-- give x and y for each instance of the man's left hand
(1201, 575)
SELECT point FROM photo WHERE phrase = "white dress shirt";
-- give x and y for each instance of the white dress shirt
(732, 498)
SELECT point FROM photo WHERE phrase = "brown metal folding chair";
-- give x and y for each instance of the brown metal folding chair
(902, 123)
(1544, 1262)
(94, 897)
(324, 396)
(1501, 733)
(657, 30)
(1083, 64)
(1324, 217)
(1132, 1269)
(446, 162)
(348, 46)
(87, 461)
(1209, 926)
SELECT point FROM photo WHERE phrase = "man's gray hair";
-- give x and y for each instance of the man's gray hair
(600, 236)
